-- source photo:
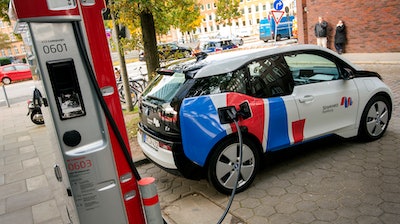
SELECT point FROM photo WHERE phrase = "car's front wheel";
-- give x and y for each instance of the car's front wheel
(375, 118)
(222, 169)
(6, 80)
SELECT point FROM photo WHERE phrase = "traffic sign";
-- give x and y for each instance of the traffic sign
(277, 15)
(278, 5)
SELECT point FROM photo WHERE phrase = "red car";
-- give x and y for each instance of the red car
(14, 72)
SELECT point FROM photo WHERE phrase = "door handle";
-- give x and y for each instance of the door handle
(307, 99)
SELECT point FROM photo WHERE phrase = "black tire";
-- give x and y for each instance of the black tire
(34, 117)
(6, 81)
(375, 118)
(221, 172)
(278, 37)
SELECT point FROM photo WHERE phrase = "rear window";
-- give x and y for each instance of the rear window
(164, 87)
(228, 82)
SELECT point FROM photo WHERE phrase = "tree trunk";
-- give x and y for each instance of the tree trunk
(124, 73)
(149, 42)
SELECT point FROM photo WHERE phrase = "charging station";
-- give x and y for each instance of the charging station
(73, 60)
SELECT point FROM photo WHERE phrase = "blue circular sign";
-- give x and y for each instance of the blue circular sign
(278, 5)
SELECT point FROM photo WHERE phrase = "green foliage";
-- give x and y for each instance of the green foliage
(227, 11)
(5, 61)
(4, 10)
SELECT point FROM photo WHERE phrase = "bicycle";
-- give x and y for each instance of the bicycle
(136, 87)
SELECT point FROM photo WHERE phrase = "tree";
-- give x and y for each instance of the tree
(157, 17)
(4, 10)
(185, 14)
(227, 11)
(4, 41)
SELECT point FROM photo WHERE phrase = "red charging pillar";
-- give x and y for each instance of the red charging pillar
(91, 11)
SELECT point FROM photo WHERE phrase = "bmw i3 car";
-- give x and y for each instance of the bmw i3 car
(293, 94)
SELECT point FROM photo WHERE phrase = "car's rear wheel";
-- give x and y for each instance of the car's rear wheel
(6, 80)
(375, 118)
(222, 172)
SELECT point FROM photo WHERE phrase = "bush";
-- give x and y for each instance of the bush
(5, 61)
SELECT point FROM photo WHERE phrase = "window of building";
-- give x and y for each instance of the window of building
(242, 11)
(249, 10)
(23, 48)
(3, 53)
(202, 7)
(258, 20)
(215, 5)
(257, 9)
(208, 6)
(264, 8)
(16, 50)
(210, 17)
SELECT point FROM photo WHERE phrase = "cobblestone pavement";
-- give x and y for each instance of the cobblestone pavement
(328, 181)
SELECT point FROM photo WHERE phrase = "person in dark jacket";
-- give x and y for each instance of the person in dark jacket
(321, 32)
(340, 37)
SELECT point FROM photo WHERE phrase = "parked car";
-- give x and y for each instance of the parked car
(216, 45)
(14, 72)
(170, 51)
(293, 95)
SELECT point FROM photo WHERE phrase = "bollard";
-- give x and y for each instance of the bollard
(151, 205)
(5, 95)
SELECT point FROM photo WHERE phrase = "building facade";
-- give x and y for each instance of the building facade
(372, 26)
(17, 50)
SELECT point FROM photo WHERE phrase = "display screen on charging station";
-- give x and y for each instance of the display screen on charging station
(66, 89)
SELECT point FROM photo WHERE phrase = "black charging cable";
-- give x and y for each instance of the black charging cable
(106, 110)
(238, 168)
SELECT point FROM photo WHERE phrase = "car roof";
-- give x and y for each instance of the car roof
(227, 62)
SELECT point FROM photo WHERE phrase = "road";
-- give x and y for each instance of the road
(16, 92)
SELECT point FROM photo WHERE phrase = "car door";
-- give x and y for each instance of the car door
(325, 101)
(23, 71)
(271, 80)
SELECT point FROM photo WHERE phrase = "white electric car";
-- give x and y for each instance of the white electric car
(290, 94)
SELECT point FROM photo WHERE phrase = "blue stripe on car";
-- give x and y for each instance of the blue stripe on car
(200, 128)
(278, 136)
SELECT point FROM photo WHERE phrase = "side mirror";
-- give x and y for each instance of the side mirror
(348, 74)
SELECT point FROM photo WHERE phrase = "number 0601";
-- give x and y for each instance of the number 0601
(54, 48)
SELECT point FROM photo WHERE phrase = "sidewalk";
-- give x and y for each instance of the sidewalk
(374, 58)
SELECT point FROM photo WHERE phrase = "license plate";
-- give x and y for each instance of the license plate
(150, 141)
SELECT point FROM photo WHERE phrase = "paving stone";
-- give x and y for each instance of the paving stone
(11, 189)
(45, 211)
(36, 182)
(20, 216)
(28, 199)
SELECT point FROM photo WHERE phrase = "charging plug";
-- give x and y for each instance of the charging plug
(227, 115)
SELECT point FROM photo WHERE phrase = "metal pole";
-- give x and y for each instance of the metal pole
(5, 95)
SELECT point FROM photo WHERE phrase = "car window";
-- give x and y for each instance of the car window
(21, 67)
(164, 87)
(270, 77)
(228, 82)
(9, 68)
(310, 68)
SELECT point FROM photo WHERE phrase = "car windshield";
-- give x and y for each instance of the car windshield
(164, 87)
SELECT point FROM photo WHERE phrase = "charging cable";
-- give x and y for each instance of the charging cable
(238, 167)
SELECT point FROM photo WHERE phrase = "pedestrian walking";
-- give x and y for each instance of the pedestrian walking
(321, 31)
(340, 37)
